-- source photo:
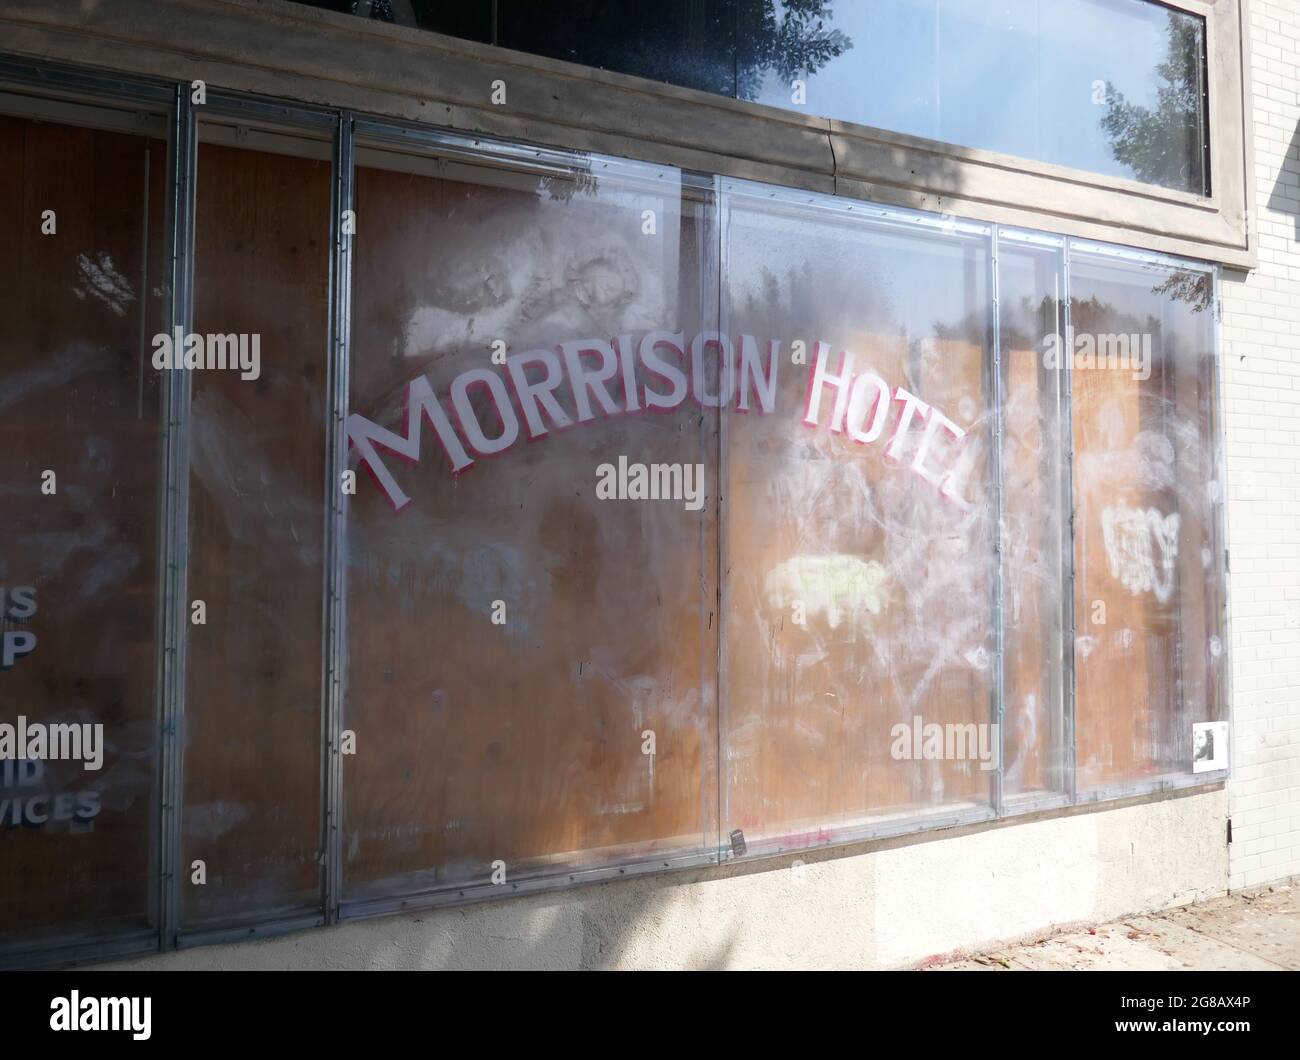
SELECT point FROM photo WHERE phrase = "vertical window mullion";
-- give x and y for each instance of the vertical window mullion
(1064, 384)
(995, 410)
(334, 687)
(174, 607)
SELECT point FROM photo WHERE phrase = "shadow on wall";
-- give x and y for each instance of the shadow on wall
(1285, 197)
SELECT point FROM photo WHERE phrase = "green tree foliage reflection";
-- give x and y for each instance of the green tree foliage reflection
(1161, 144)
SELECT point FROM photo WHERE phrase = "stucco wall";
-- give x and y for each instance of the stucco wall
(887, 905)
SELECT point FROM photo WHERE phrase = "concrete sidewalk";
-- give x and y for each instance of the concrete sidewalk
(1248, 930)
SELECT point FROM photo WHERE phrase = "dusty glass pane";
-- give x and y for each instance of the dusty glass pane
(80, 299)
(858, 608)
(257, 478)
(1149, 651)
(1034, 567)
(531, 664)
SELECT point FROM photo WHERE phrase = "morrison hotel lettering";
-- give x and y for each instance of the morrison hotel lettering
(598, 378)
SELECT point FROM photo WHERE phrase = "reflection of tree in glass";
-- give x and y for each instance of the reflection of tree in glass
(1092, 316)
(783, 306)
(1161, 144)
(1194, 288)
(563, 187)
(795, 44)
(722, 46)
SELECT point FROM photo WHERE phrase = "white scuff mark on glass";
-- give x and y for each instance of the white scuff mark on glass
(98, 279)
(55, 371)
(213, 819)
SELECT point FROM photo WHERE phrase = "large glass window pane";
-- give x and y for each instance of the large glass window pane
(81, 297)
(257, 480)
(859, 599)
(1111, 86)
(1149, 650)
(531, 662)
(1034, 567)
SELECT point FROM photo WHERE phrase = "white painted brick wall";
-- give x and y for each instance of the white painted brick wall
(1261, 356)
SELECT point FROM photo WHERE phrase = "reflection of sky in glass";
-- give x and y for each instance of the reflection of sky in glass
(1015, 76)
(854, 278)
(1012, 75)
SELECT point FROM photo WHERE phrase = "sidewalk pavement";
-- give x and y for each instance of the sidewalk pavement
(1250, 930)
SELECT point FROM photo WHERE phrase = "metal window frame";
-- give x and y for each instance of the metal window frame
(336, 656)
(40, 80)
(175, 607)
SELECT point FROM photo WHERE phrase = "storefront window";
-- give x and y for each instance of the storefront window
(257, 481)
(680, 518)
(531, 656)
(1035, 462)
(80, 300)
(1149, 651)
(859, 607)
